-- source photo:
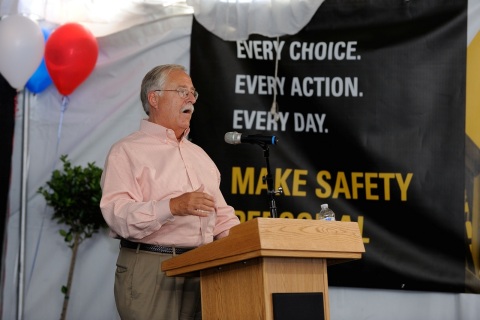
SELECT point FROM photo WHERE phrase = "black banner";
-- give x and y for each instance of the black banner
(370, 119)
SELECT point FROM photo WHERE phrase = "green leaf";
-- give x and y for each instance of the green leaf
(64, 289)
(74, 193)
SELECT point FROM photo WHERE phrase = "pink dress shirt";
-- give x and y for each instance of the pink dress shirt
(147, 168)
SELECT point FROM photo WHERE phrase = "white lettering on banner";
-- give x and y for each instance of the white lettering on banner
(257, 84)
(311, 122)
(265, 121)
(325, 87)
(323, 50)
(260, 50)
(258, 120)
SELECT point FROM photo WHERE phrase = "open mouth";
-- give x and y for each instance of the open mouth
(188, 109)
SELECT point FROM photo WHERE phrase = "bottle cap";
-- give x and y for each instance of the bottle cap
(324, 206)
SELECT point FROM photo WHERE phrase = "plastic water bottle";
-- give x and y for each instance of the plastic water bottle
(326, 213)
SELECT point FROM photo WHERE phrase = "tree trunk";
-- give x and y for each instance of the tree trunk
(70, 276)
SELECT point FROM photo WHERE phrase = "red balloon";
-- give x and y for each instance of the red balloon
(71, 53)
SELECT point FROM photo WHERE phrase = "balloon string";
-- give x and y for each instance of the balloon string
(64, 106)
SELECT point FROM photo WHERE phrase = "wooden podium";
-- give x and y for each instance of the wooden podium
(242, 274)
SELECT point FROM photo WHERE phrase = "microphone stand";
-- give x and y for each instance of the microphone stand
(268, 178)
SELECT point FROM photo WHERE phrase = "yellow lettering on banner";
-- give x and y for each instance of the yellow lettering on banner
(256, 214)
(251, 214)
(403, 184)
(304, 215)
(349, 187)
(240, 182)
(281, 180)
(298, 181)
(250, 183)
(286, 215)
(386, 177)
(360, 222)
(326, 190)
(371, 186)
(261, 184)
(356, 184)
(347, 218)
(241, 215)
(341, 187)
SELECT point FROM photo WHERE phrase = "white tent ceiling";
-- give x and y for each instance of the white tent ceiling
(228, 19)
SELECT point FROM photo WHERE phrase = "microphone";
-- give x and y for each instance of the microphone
(237, 138)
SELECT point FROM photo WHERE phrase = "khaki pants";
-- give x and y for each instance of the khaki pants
(144, 292)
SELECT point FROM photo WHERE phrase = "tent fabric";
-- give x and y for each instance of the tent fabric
(226, 19)
(269, 18)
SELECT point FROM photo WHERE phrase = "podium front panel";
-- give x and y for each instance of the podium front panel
(244, 290)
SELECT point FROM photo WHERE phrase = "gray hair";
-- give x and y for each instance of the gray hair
(154, 80)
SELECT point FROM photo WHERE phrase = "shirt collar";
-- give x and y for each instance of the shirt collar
(159, 131)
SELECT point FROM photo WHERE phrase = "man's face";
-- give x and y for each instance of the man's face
(173, 111)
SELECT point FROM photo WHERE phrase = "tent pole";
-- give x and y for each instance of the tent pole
(23, 209)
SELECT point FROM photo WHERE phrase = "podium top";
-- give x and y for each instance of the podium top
(335, 241)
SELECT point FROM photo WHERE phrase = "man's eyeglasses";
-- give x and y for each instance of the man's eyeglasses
(183, 92)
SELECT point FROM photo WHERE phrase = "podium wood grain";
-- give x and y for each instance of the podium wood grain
(262, 256)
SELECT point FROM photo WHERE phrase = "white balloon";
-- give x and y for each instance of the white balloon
(22, 46)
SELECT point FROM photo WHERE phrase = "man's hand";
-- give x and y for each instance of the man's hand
(196, 203)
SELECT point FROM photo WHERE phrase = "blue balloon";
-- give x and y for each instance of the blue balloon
(40, 80)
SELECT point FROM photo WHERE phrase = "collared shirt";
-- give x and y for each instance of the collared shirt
(143, 171)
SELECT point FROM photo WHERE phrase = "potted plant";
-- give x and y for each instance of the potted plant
(74, 194)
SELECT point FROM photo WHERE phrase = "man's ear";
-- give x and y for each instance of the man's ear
(152, 99)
